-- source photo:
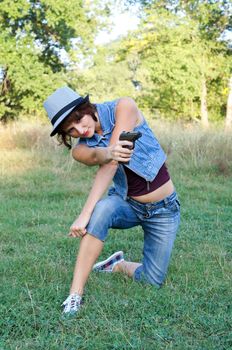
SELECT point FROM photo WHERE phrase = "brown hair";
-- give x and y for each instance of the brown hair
(76, 114)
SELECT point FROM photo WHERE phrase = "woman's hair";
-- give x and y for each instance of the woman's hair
(75, 115)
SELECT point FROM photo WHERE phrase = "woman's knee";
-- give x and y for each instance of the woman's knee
(141, 275)
(101, 219)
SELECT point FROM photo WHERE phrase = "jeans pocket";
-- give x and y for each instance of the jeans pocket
(174, 206)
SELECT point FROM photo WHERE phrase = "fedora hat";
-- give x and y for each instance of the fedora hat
(60, 104)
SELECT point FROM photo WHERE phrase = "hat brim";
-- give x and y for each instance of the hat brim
(66, 114)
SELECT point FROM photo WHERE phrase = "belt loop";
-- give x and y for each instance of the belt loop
(165, 202)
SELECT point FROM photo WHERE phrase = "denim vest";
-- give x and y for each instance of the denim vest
(147, 158)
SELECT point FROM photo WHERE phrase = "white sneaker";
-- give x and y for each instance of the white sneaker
(72, 304)
(109, 264)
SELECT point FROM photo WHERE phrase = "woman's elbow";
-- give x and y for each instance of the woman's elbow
(75, 154)
(81, 156)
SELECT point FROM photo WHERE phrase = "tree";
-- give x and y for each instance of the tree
(186, 55)
(169, 69)
(228, 122)
(36, 40)
(214, 17)
(105, 77)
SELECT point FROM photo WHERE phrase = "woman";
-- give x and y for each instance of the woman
(143, 193)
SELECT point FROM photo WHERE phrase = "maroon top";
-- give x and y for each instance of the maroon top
(137, 186)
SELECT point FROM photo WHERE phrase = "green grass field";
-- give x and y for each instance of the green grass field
(42, 191)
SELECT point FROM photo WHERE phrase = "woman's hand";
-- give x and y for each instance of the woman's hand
(119, 152)
(78, 228)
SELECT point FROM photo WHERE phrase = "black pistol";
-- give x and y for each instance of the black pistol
(130, 136)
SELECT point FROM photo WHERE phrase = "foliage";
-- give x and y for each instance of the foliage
(171, 80)
(178, 45)
(26, 79)
(213, 16)
(35, 39)
(177, 52)
(105, 78)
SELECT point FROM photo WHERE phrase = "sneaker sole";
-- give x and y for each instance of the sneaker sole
(108, 259)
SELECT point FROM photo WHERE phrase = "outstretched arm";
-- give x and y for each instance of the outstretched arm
(101, 182)
(127, 116)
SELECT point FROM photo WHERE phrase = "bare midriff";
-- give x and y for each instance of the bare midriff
(158, 195)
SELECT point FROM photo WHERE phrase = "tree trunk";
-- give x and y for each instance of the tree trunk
(5, 82)
(228, 122)
(204, 111)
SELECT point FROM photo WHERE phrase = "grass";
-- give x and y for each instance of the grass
(42, 191)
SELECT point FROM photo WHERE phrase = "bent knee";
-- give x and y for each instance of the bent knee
(102, 212)
(140, 275)
(100, 221)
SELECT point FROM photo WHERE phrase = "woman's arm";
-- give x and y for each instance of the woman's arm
(101, 182)
(101, 155)
(127, 116)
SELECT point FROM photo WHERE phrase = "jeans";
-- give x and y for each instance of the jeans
(159, 221)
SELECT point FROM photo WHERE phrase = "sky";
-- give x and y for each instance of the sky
(123, 21)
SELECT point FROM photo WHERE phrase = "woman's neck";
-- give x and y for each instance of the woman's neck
(98, 128)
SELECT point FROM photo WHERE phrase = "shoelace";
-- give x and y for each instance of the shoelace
(72, 303)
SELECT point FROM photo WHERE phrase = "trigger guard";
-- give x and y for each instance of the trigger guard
(128, 147)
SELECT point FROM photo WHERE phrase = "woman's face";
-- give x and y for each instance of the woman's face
(85, 127)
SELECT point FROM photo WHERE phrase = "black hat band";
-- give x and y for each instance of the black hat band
(66, 108)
